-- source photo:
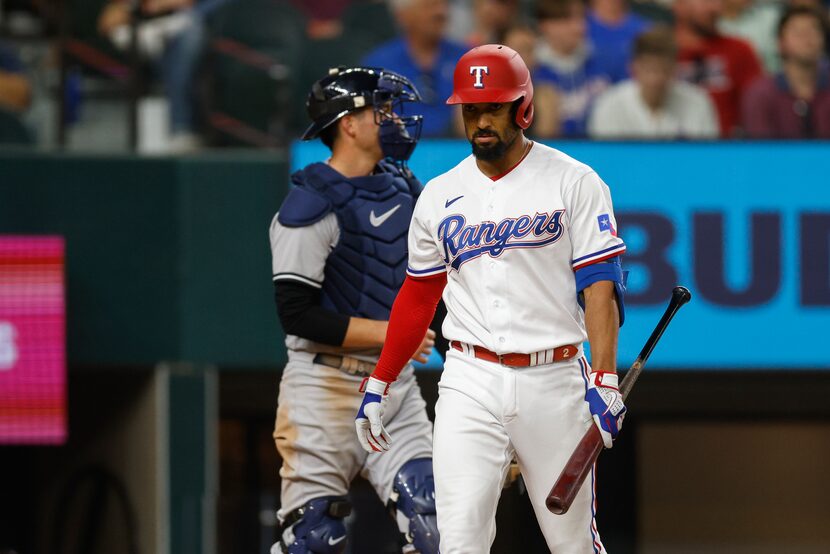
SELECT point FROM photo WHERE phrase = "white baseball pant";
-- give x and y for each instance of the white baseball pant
(485, 414)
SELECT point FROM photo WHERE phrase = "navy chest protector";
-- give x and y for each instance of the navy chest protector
(368, 265)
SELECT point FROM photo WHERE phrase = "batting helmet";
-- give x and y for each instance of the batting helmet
(494, 73)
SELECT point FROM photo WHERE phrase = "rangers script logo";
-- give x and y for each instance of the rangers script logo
(463, 243)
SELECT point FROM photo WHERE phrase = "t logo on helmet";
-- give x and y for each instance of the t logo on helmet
(479, 71)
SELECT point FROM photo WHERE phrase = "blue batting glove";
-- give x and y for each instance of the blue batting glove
(606, 404)
(369, 421)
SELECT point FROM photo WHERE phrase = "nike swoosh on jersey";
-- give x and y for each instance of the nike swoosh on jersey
(333, 542)
(377, 220)
(449, 203)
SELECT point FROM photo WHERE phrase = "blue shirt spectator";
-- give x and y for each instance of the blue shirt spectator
(567, 61)
(424, 55)
(578, 86)
(434, 84)
(612, 42)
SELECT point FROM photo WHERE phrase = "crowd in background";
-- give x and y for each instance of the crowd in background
(708, 69)
(605, 69)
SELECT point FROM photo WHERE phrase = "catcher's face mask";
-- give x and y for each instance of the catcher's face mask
(399, 133)
(346, 90)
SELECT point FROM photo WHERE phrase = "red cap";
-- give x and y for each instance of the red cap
(494, 73)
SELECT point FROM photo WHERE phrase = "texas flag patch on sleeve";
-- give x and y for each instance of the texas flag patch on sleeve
(605, 224)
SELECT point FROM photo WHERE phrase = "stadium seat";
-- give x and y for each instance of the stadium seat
(256, 50)
(263, 65)
(92, 68)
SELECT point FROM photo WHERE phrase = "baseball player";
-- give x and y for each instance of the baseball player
(521, 241)
(339, 256)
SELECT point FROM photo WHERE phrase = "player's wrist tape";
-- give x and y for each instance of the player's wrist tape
(374, 386)
(607, 379)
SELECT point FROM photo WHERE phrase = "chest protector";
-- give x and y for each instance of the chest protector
(368, 265)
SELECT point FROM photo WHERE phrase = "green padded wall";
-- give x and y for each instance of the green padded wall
(167, 258)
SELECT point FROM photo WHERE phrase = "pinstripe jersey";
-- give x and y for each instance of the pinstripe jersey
(510, 246)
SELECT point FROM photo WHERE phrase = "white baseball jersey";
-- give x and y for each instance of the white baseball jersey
(510, 247)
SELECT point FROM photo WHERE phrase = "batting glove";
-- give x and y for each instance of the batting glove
(606, 404)
(369, 421)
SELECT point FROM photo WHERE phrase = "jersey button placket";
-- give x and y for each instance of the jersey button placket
(499, 318)
(498, 307)
(492, 284)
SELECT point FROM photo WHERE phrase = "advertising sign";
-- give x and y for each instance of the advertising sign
(32, 351)
(745, 226)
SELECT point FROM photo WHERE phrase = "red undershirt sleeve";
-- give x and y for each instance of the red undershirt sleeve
(411, 315)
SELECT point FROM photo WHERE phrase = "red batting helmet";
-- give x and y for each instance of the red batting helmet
(494, 73)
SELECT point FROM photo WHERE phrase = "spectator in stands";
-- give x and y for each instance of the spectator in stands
(15, 97)
(15, 89)
(795, 103)
(654, 104)
(754, 22)
(724, 66)
(492, 19)
(821, 5)
(323, 17)
(426, 57)
(172, 34)
(565, 61)
(546, 124)
(612, 29)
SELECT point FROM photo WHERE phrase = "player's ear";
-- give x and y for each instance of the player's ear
(348, 125)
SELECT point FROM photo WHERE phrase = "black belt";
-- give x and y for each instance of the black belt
(352, 366)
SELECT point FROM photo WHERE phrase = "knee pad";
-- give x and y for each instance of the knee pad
(413, 494)
(316, 528)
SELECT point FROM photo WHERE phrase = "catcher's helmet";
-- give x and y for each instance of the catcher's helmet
(494, 73)
(345, 90)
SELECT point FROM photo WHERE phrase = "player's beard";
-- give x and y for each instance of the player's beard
(493, 151)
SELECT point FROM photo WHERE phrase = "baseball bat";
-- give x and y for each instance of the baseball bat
(562, 495)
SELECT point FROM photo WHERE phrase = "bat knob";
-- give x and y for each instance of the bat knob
(681, 294)
(556, 507)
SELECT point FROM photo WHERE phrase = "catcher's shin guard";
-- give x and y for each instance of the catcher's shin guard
(413, 496)
(316, 528)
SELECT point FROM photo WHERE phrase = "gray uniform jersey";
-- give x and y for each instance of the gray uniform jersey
(314, 430)
(299, 254)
